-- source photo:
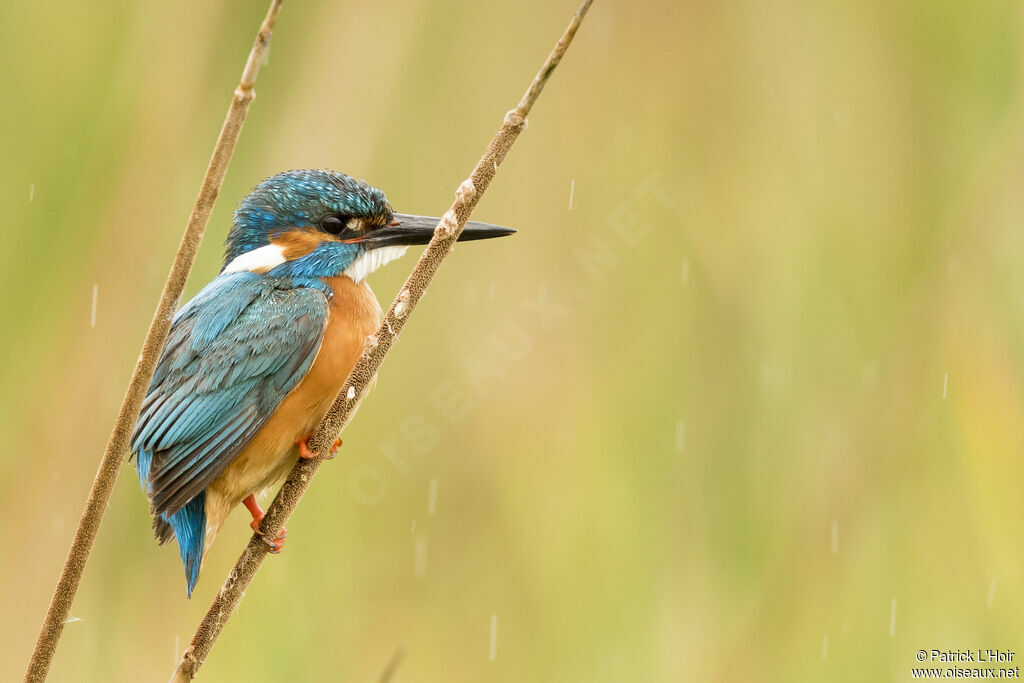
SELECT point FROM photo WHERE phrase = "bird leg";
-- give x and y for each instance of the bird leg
(305, 452)
(257, 516)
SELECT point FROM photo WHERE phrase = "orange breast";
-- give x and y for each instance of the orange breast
(354, 314)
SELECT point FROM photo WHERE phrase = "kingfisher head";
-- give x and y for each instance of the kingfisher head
(323, 224)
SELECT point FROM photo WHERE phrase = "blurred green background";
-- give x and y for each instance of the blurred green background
(751, 408)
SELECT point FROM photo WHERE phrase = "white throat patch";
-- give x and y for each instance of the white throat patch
(371, 261)
(258, 260)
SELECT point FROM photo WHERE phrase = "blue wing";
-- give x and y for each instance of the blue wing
(233, 353)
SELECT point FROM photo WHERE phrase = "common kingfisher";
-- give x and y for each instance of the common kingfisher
(254, 361)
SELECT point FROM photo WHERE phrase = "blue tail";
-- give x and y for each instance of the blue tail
(188, 525)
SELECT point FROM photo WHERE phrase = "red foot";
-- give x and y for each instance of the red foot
(257, 516)
(306, 453)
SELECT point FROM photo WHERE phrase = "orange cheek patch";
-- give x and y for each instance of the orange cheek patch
(297, 243)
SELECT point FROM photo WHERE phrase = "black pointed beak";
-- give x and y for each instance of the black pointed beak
(409, 230)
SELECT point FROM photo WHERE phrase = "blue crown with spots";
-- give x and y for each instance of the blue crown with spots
(297, 199)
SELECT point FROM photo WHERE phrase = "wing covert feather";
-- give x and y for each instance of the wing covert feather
(233, 353)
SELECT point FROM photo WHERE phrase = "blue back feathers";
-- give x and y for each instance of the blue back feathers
(233, 353)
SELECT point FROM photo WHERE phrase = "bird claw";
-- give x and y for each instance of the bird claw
(276, 545)
(334, 449)
(306, 453)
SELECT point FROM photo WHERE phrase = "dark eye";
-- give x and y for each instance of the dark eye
(333, 224)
